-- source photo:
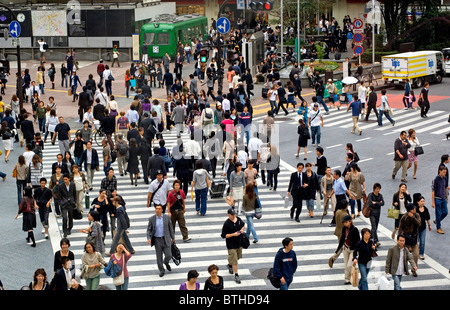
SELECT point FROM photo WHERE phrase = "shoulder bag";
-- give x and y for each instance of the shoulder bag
(366, 210)
(393, 213)
(245, 241)
(418, 150)
(157, 189)
(120, 279)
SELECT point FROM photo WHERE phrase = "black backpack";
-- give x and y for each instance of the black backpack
(122, 148)
(272, 278)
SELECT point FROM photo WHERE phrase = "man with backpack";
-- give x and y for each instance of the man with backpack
(121, 148)
(285, 264)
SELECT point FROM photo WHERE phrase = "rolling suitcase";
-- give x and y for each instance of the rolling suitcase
(218, 188)
(264, 92)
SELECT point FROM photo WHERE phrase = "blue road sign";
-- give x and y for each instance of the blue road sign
(358, 50)
(358, 37)
(223, 25)
(349, 35)
(14, 29)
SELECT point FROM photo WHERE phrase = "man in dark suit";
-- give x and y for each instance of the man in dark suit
(179, 59)
(146, 90)
(371, 103)
(161, 236)
(27, 128)
(62, 279)
(60, 163)
(67, 202)
(295, 188)
(83, 102)
(155, 163)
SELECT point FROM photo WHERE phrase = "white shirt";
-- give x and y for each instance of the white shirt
(242, 158)
(226, 106)
(28, 157)
(192, 148)
(41, 46)
(317, 119)
(253, 146)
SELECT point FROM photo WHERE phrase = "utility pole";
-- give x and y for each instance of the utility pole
(19, 67)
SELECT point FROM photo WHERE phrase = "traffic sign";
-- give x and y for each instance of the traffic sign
(358, 50)
(14, 29)
(358, 37)
(223, 25)
(349, 35)
(358, 23)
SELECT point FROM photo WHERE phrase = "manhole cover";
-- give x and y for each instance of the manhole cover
(260, 273)
(283, 119)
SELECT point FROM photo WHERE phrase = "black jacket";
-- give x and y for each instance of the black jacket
(353, 235)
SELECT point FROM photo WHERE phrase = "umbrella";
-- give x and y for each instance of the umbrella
(350, 80)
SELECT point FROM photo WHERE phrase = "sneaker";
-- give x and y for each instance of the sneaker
(230, 269)
(237, 279)
(187, 239)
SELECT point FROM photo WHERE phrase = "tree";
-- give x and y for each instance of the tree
(395, 14)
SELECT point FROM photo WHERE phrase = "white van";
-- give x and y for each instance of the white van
(446, 54)
(419, 67)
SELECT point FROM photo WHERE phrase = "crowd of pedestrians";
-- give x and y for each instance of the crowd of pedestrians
(223, 135)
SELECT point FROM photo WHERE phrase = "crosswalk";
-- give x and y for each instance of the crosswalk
(314, 242)
(435, 124)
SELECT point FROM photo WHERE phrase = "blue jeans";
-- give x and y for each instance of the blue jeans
(364, 271)
(380, 117)
(2, 175)
(21, 184)
(315, 131)
(105, 168)
(41, 125)
(320, 100)
(74, 92)
(64, 80)
(41, 87)
(397, 280)
(352, 205)
(250, 226)
(108, 87)
(200, 200)
(285, 287)
(273, 106)
(441, 210)
(422, 236)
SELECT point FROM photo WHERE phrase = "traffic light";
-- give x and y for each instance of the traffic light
(203, 55)
(261, 5)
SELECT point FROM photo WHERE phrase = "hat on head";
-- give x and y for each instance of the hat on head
(159, 172)
(231, 211)
(346, 218)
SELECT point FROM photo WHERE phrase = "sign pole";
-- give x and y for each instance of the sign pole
(19, 67)
(373, 32)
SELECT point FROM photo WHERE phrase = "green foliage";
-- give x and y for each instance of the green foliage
(320, 49)
(367, 55)
(323, 66)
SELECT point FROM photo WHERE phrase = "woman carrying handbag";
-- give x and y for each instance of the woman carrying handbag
(414, 150)
(121, 257)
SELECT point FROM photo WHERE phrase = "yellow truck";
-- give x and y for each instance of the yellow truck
(419, 67)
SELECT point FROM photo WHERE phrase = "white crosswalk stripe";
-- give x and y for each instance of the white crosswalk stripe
(313, 242)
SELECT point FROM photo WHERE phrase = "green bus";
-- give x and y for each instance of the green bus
(163, 34)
